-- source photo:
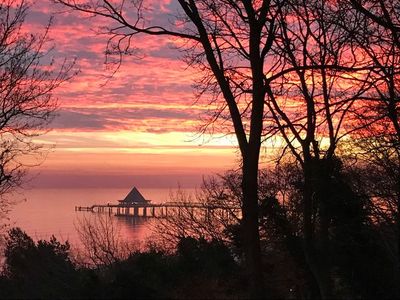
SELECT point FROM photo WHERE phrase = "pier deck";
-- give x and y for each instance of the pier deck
(154, 210)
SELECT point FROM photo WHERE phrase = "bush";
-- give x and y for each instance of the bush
(38, 270)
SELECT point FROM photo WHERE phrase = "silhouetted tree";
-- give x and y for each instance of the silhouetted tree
(26, 86)
(220, 197)
(101, 241)
(383, 13)
(379, 43)
(38, 270)
(230, 42)
(299, 72)
(312, 105)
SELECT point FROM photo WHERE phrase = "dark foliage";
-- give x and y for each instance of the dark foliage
(199, 269)
(37, 270)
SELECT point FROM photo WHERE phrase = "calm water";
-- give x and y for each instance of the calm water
(51, 211)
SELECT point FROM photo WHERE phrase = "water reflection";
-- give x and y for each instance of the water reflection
(133, 221)
(134, 230)
(52, 212)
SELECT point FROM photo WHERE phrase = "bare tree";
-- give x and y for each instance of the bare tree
(101, 241)
(378, 169)
(230, 42)
(220, 198)
(219, 215)
(26, 85)
(384, 13)
(379, 43)
(312, 105)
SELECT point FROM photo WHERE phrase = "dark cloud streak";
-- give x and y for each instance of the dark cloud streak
(103, 118)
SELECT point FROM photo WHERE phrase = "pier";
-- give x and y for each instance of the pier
(135, 205)
(156, 210)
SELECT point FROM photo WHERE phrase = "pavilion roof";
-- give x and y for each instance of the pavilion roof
(134, 196)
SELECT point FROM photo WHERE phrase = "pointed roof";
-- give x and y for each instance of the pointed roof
(134, 196)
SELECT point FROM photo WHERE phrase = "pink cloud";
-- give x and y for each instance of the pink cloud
(151, 97)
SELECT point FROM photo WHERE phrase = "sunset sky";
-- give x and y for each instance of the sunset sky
(138, 128)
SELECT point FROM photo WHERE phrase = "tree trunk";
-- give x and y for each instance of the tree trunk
(398, 224)
(250, 228)
(324, 250)
(309, 251)
(315, 259)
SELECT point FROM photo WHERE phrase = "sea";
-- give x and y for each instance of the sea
(42, 213)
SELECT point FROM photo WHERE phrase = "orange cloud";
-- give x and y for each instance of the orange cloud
(138, 125)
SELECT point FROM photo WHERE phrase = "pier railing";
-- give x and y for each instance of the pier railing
(153, 210)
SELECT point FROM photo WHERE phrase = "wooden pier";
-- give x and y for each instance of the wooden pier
(135, 205)
(151, 210)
